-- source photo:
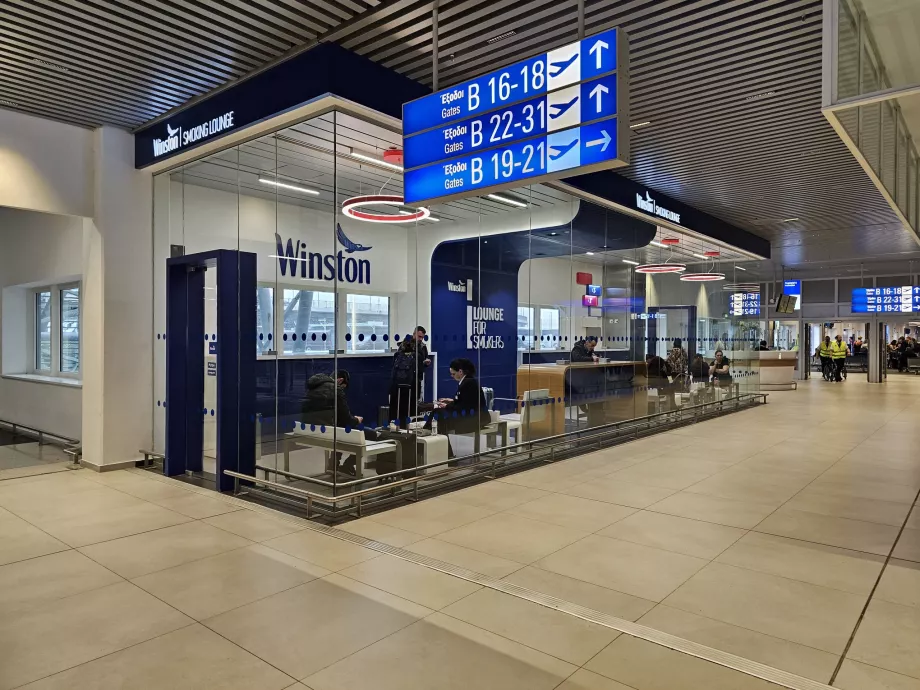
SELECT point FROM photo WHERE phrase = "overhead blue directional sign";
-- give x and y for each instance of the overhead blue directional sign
(585, 102)
(570, 64)
(885, 300)
(564, 111)
(586, 146)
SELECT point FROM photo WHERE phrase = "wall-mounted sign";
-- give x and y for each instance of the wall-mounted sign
(593, 290)
(175, 138)
(294, 260)
(583, 278)
(557, 114)
(744, 304)
(885, 300)
(212, 368)
(647, 203)
(794, 289)
(212, 349)
(589, 300)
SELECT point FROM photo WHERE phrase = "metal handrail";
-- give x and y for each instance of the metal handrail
(481, 458)
(41, 434)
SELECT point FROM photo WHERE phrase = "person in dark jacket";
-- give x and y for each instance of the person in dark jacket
(423, 359)
(584, 350)
(466, 412)
(327, 405)
(404, 382)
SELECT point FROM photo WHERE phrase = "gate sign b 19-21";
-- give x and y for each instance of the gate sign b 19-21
(558, 114)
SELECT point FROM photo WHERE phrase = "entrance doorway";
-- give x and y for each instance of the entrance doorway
(224, 358)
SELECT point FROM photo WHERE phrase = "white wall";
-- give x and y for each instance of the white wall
(118, 305)
(45, 165)
(551, 281)
(37, 249)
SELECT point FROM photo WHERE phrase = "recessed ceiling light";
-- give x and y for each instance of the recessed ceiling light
(284, 185)
(762, 94)
(640, 124)
(553, 234)
(631, 263)
(501, 37)
(700, 256)
(506, 200)
(589, 253)
(659, 244)
(376, 161)
(789, 220)
(740, 268)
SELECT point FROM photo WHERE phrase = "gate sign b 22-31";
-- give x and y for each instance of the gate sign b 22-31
(558, 114)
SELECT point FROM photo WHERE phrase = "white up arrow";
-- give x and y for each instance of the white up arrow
(598, 92)
(597, 50)
(603, 142)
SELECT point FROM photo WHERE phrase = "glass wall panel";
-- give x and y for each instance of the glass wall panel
(451, 336)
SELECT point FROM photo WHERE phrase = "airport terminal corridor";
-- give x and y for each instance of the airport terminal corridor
(787, 535)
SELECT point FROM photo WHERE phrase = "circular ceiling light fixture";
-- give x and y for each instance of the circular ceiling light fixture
(660, 268)
(352, 208)
(702, 277)
(667, 267)
(705, 277)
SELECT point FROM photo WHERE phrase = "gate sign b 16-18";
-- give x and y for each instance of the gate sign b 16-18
(558, 114)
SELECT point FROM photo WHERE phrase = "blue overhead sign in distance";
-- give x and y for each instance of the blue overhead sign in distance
(557, 114)
(884, 300)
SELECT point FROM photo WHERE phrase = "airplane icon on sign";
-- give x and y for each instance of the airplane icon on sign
(564, 149)
(561, 67)
(561, 108)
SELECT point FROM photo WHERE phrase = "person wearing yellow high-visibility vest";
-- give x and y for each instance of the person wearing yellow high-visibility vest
(824, 352)
(839, 351)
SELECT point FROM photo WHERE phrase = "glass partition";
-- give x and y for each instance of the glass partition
(391, 342)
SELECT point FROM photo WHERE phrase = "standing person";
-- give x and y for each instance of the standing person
(404, 382)
(584, 350)
(824, 352)
(839, 351)
(677, 359)
(422, 359)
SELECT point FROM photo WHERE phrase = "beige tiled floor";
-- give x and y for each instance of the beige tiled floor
(761, 534)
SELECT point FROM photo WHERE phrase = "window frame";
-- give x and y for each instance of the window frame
(56, 325)
(340, 344)
(536, 344)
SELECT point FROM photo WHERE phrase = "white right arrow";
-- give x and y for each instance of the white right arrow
(597, 50)
(597, 93)
(603, 142)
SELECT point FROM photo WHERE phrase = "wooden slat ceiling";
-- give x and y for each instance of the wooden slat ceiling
(731, 87)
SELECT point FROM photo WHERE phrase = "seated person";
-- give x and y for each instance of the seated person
(763, 346)
(584, 350)
(699, 370)
(327, 405)
(658, 372)
(720, 370)
(466, 412)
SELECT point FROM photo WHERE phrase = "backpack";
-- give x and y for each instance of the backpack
(404, 368)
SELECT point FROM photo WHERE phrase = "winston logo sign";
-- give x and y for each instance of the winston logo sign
(296, 261)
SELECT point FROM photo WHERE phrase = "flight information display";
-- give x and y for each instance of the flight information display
(883, 300)
(745, 304)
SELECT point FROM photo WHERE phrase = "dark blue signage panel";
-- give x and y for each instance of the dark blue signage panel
(585, 102)
(586, 147)
(884, 300)
(570, 64)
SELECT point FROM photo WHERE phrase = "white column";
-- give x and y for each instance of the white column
(117, 306)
